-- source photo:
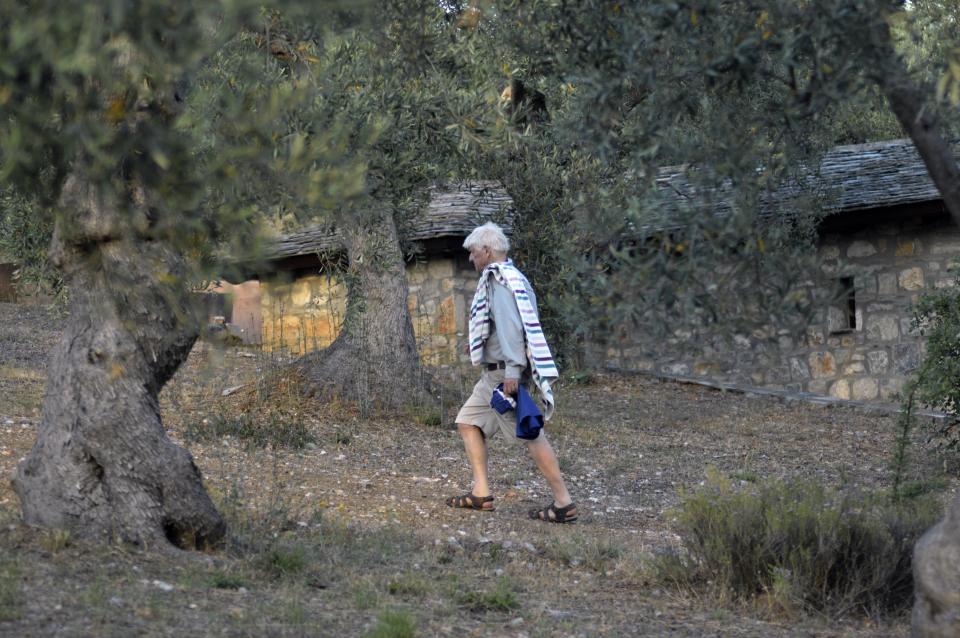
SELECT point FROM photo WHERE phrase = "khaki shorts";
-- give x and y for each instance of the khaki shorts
(477, 411)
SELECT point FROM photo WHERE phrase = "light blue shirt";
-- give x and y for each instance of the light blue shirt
(507, 341)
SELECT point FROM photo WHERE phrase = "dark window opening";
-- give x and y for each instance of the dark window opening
(843, 315)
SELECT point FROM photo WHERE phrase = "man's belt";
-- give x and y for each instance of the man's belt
(499, 365)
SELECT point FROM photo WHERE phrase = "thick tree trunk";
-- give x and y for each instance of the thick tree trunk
(375, 356)
(102, 466)
(936, 577)
(910, 102)
(936, 556)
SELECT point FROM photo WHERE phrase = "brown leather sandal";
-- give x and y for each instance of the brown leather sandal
(554, 514)
(471, 502)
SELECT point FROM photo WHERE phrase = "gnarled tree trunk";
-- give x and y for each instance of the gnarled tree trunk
(102, 466)
(375, 355)
(936, 556)
(908, 103)
(936, 578)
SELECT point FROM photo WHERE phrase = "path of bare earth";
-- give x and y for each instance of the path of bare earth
(628, 447)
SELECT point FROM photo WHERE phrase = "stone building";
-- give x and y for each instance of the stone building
(887, 239)
(300, 299)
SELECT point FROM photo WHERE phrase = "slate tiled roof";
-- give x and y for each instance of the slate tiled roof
(878, 174)
(853, 177)
(453, 212)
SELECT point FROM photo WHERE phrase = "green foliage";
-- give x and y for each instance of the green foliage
(11, 598)
(501, 598)
(746, 476)
(937, 317)
(287, 560)
(224, 580)
(815, 548)
(915, 488)
(394, 624)
(271, 430)
(408, 585)
(429, 418)
(24, 237)
(581, 377)
(745, 96)
(598, 554)
(121, 97)
(55, 540)
(366, 597)
(906, 422)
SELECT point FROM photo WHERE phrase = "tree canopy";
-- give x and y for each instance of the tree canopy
(742, 98)
(153, 139)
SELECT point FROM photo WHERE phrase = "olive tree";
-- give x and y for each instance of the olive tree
(747, 95)
(94, 133)
(403, 90)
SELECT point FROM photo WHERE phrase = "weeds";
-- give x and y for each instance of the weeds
(580, 377)
(597, 554)
(408, 585)
(744, 475)
(55, 540)
(294, 612)
(11, 598)
(275, 431)
(429, 418)
(221, 580)
(365, 596)
(286, 561)
(394, 624)
(913, 489)
(800, 545)
(901, 453)
(502, 598)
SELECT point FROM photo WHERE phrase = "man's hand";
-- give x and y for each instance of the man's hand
(510, 386)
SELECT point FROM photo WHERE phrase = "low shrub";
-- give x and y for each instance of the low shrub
(11, 596)
(801, 544)
(223, 580)
(284, 561)
(596, 553)
(408, 585)
(394, 624)
(936, 316)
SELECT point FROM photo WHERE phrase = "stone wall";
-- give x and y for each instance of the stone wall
(302, 315)
(307, 313)
(865, 352)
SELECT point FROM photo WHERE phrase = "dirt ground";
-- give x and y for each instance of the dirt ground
(349, 535)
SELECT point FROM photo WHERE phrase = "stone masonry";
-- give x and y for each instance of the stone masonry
(307, 314)
(891, 265)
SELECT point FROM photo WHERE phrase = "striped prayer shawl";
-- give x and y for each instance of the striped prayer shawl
(538, 352)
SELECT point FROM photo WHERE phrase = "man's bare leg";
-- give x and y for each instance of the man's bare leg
(546, 460)
(476, 448)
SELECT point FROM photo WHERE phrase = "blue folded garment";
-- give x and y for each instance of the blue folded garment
(501, 401)
(529, 417)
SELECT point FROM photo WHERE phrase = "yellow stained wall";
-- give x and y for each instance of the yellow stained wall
(307, 314)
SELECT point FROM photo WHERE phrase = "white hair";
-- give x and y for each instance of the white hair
(489, 235)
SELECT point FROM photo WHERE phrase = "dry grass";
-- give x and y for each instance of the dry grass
(348, 535)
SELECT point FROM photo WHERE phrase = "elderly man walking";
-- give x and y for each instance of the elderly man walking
(507, 342)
